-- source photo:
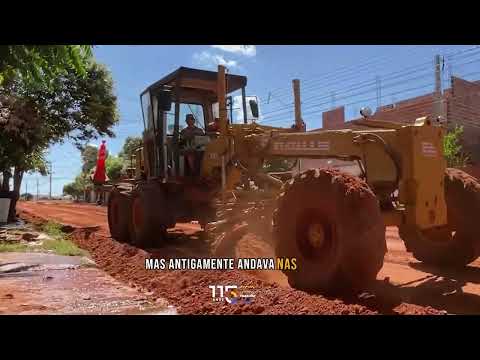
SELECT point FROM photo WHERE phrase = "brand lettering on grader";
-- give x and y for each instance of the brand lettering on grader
(301, 145)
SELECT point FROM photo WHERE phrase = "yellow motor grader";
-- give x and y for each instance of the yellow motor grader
(333, 223)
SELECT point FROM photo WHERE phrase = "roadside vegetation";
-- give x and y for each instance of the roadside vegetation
(59, 243)
(49, 94)
(15, 247)
(452, 148)
(115, 166)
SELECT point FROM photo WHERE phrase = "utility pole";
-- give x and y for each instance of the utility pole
(450, 67)
(379, 91)
(26, 189)
(37, 188)
(50, 193)
(438, 103)
(298, 104)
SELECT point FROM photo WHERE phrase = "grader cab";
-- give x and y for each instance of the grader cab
(333, 223)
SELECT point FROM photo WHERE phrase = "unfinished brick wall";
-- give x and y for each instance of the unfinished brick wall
(333, 119)
(460, 103)
(407, 112)
(461, 87)
(463, 108)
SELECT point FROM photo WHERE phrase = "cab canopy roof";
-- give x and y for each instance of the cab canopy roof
(187, 79)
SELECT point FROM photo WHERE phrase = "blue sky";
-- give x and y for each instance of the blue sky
(330, 76)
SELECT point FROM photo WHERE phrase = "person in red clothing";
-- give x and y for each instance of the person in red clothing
(99, 174)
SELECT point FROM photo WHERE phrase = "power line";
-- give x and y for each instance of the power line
(337, 80)
(341, 70)
(385, 86)
(357, 70)
(390, 85)
(352, 103)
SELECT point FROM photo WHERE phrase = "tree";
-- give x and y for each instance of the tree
(27, 196)
(73, 190)
(114, 167)
(32, 118)
(77, 187)
(38, 65)
(131, 144)
(81, 108)
(22, 144)
(452, 148)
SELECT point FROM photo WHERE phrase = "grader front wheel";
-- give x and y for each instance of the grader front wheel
(118, 215)
(147, 220)
(459, 243)
(332, 224)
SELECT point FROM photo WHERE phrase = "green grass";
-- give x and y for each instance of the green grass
(59, 243)
(63, 247)
(53, 229)
(15, 247)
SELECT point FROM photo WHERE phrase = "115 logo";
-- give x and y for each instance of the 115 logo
(224, 293)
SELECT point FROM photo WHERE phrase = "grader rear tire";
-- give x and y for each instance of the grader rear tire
(119, 209)
(331, 223)
(147, 224)
(459, 243)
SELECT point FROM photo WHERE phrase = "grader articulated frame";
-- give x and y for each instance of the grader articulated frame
(332, 223)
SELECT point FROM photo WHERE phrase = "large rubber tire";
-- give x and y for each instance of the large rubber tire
(119, 208)
(354, 232)
(208, 214)
(459, 243)
(147, 226)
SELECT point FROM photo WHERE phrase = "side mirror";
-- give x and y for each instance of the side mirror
(164, 98)
(254, 108)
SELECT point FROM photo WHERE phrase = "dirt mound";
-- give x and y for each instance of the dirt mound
(189, 290)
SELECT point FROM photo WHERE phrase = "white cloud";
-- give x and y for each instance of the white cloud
(247, 50)
(209, 59)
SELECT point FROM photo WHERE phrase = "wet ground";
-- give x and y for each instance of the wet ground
(404, 285)
(45, 283)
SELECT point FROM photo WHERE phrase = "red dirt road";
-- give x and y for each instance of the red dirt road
(410, 287)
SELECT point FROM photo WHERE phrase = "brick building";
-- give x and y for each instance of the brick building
(460, 103)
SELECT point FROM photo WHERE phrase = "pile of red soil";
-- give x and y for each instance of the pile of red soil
(188, 289)
(189, 292)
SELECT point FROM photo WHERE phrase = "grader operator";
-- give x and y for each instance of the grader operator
(332, 223)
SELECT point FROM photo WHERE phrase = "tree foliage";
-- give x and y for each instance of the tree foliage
(38, 65)
(27, 196)
(81, 108)
(131, 144)
(49, 100)
(78, 108)
(452, 148)
(77, 187)
(114, 167)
